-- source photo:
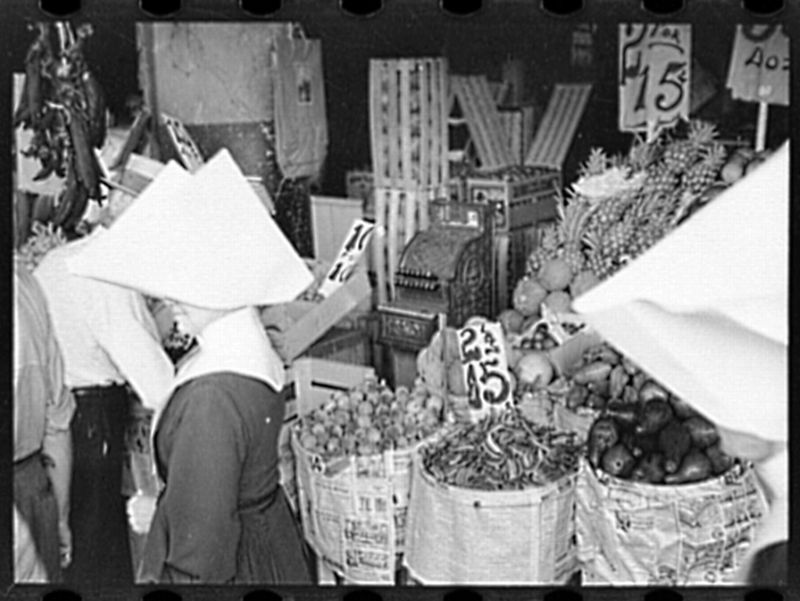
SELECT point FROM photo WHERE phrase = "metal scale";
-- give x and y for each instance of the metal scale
(444, 270)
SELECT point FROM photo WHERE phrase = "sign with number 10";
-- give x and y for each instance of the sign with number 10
(351, 251)
(654, 75)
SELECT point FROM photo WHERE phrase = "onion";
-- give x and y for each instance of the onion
(534, 368)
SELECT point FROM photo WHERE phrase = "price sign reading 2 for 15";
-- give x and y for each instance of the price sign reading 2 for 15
(654, 75)
(483, 355)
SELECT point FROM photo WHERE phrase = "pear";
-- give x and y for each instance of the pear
(656, 413)
(650, 469)
(674, 441)
(703, 432)
(618, 461)
(603, 435)
(695, 467)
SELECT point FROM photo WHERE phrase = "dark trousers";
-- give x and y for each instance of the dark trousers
(36, 504)
(101, 554)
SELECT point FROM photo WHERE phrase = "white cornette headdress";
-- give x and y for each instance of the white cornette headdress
(203, 239)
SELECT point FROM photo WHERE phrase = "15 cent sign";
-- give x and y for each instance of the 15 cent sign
(654, 75)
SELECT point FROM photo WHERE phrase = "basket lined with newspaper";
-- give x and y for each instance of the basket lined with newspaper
(637, 533)
(353, 465)
(493, 503)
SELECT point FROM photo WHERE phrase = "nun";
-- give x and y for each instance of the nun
(212, 253)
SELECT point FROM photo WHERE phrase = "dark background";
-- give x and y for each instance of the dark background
(473, 45)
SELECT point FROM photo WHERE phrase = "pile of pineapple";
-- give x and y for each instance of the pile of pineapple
(622, 205)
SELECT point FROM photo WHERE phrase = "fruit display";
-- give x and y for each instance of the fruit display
(649, 442)
(370, 419)
(504, 451)
(43, 238)
(621, 206)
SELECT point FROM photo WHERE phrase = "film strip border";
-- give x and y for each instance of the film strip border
(422, 594)
(370, 8)
(573, 9)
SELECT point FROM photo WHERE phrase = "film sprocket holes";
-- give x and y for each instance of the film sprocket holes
(112, 52)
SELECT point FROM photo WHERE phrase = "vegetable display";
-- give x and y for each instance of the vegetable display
(370, 419)
(505, 451)
(64, 105)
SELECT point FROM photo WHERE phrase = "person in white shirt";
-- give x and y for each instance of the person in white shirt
(111, 348)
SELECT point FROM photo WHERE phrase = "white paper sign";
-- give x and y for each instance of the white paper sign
(483, 355)
(759, 67)
(353, 247)
(654, 75)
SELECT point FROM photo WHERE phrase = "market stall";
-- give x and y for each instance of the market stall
(478, 386)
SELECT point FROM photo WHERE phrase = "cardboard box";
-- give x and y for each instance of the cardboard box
(295, 326)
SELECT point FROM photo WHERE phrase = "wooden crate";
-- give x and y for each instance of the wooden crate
(520, 201)
(308, 320)
(352, 346)
(408, 122)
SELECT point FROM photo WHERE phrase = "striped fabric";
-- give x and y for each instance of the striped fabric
(558, 126)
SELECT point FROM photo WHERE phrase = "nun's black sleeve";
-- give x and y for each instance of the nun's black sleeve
(200, 500)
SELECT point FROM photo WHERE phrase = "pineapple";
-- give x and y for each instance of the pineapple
(703, 173)
(681, 154)
(595, 164)
(594, 259)
(641, 154)
(661, 179)
(547, 249)
(573, 220)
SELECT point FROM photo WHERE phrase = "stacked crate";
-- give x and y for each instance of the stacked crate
(408, 127)
(523, 198)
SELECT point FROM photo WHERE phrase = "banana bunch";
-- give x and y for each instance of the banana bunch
(64, 105)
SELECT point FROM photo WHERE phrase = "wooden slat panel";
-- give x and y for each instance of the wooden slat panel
(405, 123)
(393, 137)
(410, 216)
(491, 117)
(558, 126)
(565, 103)
(444, 109)
(427, 132)
(393, 219)
(376, 118)
(379, 243)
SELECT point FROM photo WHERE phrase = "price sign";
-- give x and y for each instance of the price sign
(759, 68)
(355, 243)
(483, 355)
(654, 75)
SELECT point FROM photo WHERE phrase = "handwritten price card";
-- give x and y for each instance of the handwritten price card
(355, 243)
(654, 75)
(483, 356)
(759, 68)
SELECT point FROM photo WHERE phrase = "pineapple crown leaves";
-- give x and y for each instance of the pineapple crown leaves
(701, 133)
(595, 164)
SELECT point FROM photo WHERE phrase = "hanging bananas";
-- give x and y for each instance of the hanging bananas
(64, 105)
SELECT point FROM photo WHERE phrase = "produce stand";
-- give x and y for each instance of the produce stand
(452, 416)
